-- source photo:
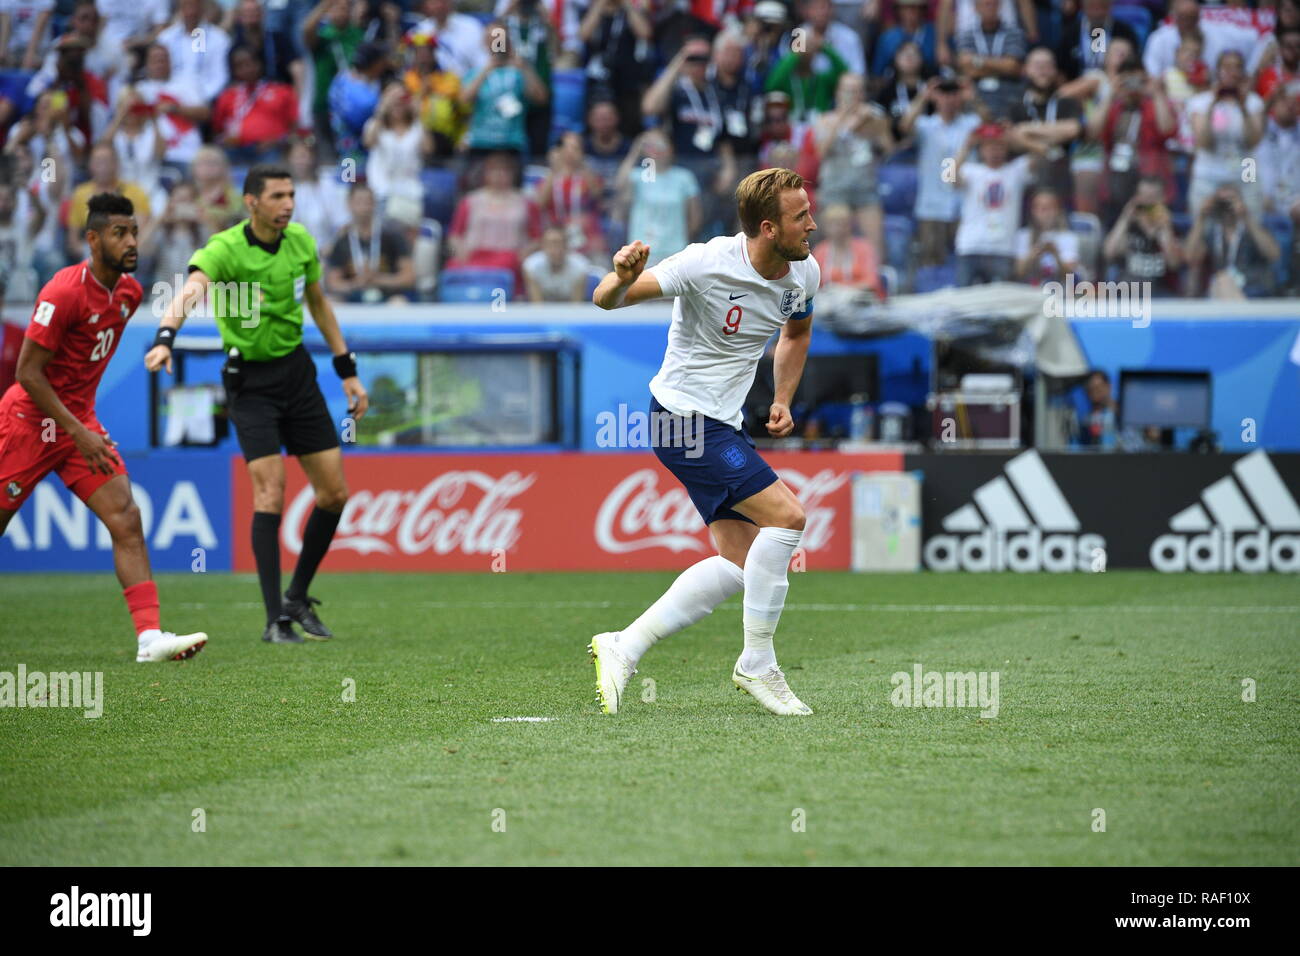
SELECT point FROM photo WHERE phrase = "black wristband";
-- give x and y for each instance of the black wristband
(165, 336)
(345, 365)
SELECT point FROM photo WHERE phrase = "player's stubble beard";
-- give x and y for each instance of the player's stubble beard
(797, 252)
(119, 265)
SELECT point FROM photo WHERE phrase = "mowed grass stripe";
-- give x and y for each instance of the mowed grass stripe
(1144, 719)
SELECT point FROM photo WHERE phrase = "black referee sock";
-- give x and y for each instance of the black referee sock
(316, 538)
(266, 552)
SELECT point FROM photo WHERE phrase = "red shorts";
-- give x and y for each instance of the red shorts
(25, 459)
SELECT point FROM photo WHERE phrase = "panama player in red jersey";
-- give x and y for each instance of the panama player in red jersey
(48, 422)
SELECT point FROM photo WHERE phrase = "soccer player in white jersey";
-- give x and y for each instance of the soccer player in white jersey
(730, 295)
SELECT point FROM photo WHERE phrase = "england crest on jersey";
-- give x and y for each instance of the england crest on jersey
(791, 302)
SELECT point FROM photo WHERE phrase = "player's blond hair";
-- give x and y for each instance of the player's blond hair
(758, 196)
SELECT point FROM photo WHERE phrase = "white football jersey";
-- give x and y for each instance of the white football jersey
(723, 316)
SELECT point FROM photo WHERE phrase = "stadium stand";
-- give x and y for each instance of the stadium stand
(90, 77)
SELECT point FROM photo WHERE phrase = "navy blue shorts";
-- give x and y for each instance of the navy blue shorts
(718, 468)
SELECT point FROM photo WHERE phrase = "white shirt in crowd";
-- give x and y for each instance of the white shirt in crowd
(18, 280)
(183, 137)
(137, 160)
(460, 42)
(990, 207)
(127, 18)
(967, 19)
(202, 58)
(937, 198)
(1221, 163)
(393, 166)
(723, 316)
(557, 286)
(1279, 166)
(1066, 242)
(1162, 45)
(22, 21)
(321, 206)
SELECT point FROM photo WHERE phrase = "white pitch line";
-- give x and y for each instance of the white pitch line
(852, 608)
(1030, 608)
(906, 608)
(521, 720)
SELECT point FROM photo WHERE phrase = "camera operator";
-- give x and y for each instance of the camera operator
(1230, 247)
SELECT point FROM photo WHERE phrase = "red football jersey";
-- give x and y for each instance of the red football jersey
(81, 322)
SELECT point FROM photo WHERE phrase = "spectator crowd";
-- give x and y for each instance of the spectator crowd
(441, 149)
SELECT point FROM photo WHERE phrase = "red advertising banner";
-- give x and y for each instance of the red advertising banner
(540, 512)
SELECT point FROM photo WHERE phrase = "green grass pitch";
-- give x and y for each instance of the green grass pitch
(1119, 691)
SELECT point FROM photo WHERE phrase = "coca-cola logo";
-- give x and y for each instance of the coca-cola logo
(635, 515)
(441, 517)
(636, 508)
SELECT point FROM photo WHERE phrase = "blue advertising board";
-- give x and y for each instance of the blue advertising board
(184, 501)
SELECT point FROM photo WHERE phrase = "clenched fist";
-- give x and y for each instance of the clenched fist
(630, 261)
(157, 357)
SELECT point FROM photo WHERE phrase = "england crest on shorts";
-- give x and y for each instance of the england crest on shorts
(791, 302)
(733, 456)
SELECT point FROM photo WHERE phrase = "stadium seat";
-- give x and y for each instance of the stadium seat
(1279, 227)
(568, 101)
(1088, 228)
(615, 233)
(533, 174)
(427, 247)
(898, 240)
(474, 285)
(889, 279)
(1138, 17)
(170, 176)
(932, 278)
(898, 188)
(439, 194)
(1182, 180)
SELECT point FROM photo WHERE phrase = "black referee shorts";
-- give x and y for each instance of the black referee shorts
(279, 405)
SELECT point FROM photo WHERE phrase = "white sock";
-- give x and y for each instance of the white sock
(144, 637)
(765, 587)
(694, 595)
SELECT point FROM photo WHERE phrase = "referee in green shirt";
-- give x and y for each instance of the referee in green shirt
(259, 273)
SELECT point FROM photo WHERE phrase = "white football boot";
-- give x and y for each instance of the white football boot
(613, 670)
(171, 647)
(770, 690)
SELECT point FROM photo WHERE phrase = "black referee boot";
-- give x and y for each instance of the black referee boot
(281, 632)
(301, 611)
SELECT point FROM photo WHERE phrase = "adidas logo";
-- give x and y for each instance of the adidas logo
(1004, 529)
(1227, 534)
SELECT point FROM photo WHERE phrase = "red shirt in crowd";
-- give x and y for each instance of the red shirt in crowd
(263, 113)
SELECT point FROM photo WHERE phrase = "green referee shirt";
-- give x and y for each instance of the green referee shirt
(257, 289)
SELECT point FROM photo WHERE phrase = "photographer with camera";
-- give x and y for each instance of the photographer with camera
(1143, 244)
(1230, 252)
(1227, 123)
(1132, 123)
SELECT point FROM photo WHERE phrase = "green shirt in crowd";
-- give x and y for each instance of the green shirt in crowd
(808, 92)
(257, 290)
(335, 48)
